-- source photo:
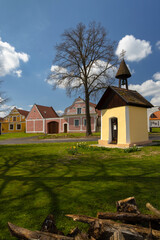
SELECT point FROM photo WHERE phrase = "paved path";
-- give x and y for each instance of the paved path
(31, 140)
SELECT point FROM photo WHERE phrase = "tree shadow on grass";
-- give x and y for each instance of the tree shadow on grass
(32, 186)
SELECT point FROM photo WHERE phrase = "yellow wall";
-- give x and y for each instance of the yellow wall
(138, 124)
(119, 113)
(20, 119)
(5, 127)
(132, 125)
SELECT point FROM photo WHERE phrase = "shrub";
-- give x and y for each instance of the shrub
(132, 149)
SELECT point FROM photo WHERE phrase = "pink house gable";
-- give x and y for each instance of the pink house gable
(76, 118)
(42, 119)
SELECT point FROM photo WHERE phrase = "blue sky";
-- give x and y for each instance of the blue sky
(29, 30)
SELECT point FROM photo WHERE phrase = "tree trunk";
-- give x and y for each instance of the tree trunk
(88, 118)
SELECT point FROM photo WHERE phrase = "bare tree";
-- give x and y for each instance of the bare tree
(84, 62)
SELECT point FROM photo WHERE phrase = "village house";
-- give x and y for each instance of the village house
(75, 117)
(155, 120)
(15, 121)
(123, 114)
(43, 119)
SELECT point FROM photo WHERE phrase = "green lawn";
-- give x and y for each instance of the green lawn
(155, 130)
(43, 136)
(68, 135)
(39, 179)
(18, 135)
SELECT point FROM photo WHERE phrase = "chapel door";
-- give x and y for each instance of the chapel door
(114, 129)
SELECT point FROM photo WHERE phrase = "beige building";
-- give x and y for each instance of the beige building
(123, 114)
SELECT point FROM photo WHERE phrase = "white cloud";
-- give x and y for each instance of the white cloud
(149, 88)
(156, 76)
(5, 109)
(18, 73)
(135, 49)
(158, 44)
(10, 59)
(60, 112)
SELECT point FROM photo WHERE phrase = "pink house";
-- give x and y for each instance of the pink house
(76, 119)
(42, 119)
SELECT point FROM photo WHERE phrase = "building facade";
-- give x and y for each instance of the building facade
(155, 120)
(123, 114)
(43, 119)
(75, 117)
(15, 121)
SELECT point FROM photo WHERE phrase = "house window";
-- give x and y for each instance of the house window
(18, 126)
(76, 123)
(84, 122)
(14, 119)
(11, 127)
(78, 110)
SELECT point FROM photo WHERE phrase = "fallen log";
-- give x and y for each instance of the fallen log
(135, 218)
(153, 209)
(23, 233)
(134, 231)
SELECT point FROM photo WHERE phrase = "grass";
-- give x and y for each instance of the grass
(155, 130)
(43, 136)
(67, 135)
(17, 135)
(39, 179)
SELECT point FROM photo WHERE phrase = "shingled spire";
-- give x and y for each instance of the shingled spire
(122, 74)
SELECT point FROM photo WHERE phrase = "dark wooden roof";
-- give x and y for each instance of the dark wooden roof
(47, 112)
(123, 71)
(116, 97)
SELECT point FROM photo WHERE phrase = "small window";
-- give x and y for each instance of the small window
(84, 122)
(14, 119)
(10, 126)
(18, 126)
(76, 123)
(78, 110)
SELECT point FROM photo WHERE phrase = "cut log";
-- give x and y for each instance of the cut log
(26, 234)
(153, 209)
(82, 218)
(143, 219)
(136, 232)
(127, 205)
(117, 236)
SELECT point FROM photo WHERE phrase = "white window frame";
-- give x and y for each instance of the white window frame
(10, 127)
(75, 122)
(17, 125)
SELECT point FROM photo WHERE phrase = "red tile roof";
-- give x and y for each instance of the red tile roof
(155, 116)
(23, 112)
(47, 112)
